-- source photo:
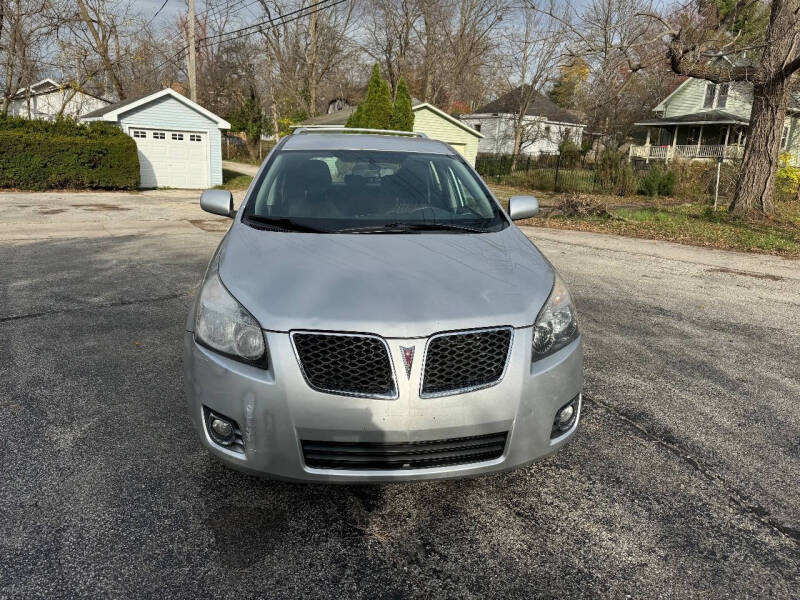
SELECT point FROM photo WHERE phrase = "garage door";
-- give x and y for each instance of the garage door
(172, 158)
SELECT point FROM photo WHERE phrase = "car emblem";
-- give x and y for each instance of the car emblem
(408, 358)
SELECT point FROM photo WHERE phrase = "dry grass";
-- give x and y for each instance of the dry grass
(669, 219)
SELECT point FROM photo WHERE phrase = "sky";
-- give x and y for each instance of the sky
(174, 8)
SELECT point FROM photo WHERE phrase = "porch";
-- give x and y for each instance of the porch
(708, 135)
(687, 151)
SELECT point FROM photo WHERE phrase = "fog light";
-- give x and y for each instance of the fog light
(223, 430)
(565, 418)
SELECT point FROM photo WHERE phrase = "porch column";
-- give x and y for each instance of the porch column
(674, 141)
(647, 147)
(725, 145)
(699, 140)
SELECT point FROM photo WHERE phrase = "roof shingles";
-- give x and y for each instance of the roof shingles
(540, 106)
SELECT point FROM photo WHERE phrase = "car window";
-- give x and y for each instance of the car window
(335, 190)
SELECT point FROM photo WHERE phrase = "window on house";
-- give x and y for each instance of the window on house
(693, 136)
(477, 127)
(722, 95)
(547, 131)
(785, 137)
(159, 135)
(709, 100)
(194, 137)
(178, 137)
(138, 133)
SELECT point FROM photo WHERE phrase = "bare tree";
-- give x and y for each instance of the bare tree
(301, 57)
(101, 22)
(390, 36)
(619, 44)
(533, 51)
(25, 28)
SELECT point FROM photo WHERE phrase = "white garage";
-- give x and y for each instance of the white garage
(178, 141)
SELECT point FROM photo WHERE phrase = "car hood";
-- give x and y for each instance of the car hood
(394, 285)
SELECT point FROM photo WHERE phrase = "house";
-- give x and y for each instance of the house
(545, 124)
(47, 99)
(704, 120)
(178, 141)
(428, 119)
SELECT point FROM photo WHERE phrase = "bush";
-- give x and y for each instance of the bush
(658, 182)
(666, 185)
(570, 154)
(787, 179)
(694, 180)
(40, 155)
(615, 174)
(648, 184)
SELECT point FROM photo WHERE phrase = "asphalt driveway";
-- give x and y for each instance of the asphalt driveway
(683, 482)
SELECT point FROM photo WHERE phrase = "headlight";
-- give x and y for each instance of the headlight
(225, 325)
(556, 326)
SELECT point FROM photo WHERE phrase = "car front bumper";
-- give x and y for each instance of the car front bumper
(276, 409)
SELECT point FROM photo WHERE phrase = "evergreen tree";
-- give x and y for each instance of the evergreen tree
(357, 118)
(376, 110)
(402, 115)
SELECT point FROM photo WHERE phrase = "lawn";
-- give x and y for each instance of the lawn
(233, 180)
(694, 224)
(671, 219)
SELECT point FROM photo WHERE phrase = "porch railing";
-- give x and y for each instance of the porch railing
(686, 151)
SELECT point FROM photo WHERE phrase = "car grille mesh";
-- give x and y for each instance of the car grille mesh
(457, 362)
(398, 456)
(345, 364)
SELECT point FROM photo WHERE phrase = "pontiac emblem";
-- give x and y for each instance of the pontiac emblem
(408, 358)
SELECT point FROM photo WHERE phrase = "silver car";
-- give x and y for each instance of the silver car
(373, 315)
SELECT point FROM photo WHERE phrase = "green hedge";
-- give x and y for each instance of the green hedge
(39, 155)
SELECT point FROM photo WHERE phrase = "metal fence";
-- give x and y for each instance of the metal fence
(564, 173)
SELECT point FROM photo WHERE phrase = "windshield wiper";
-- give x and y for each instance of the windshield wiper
(282, 223)
(406, 227)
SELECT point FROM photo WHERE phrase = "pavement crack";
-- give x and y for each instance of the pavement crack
(758, 513)
(64, 311)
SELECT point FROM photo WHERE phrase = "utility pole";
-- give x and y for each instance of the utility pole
(312, 66)
(192, 56)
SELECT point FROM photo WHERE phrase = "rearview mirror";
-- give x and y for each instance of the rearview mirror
(523, 207)
(218, 202)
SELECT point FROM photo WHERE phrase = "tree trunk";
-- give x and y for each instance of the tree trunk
(756, 184)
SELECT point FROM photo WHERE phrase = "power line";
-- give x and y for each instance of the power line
(155, 15)
(244, 31)
(256, 27)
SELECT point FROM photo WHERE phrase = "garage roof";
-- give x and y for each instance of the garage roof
(112, 112)
(340, 117)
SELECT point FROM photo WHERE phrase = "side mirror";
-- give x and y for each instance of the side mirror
(522, 207)
(218, 202)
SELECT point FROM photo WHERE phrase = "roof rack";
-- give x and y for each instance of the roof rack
(301, 129)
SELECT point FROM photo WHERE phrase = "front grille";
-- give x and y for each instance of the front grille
(398, 456)
(463, 361)
(356, 365)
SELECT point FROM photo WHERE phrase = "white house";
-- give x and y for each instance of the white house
(179, 141)
(546, 125)
(47, 99)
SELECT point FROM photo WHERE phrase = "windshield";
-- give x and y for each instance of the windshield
(364, 191)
